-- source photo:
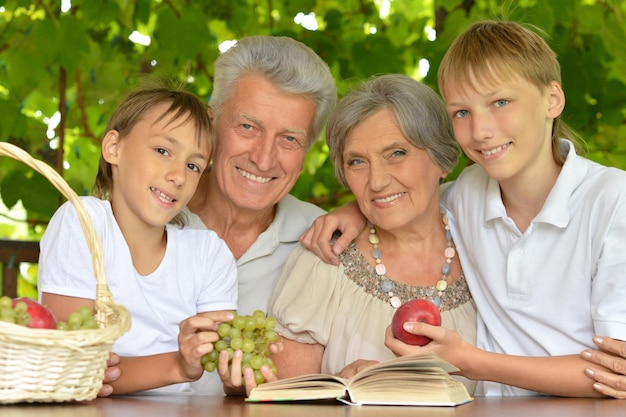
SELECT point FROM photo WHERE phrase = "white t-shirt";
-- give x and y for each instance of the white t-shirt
(197, 274)
(549, 290)
(260, 265)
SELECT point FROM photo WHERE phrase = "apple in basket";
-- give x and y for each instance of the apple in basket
(40, 316)
(414, 311)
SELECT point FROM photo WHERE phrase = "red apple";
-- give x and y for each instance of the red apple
(40, 316)
(414, 311)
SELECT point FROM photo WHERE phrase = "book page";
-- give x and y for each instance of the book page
(432, 393)
(304, 387)
(420, 363)
(422, 380)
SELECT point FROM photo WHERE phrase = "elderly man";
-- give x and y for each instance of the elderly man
(271, 99)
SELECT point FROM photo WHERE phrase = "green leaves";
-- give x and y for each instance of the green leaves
(90, 42)
(38, 196)
(187, 33)
(62, 42)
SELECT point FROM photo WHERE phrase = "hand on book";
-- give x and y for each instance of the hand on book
(234, 383)
(355, 367)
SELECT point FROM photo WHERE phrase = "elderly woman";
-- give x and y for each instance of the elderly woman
(392, 143)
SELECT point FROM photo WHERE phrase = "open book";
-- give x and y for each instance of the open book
(422, 379)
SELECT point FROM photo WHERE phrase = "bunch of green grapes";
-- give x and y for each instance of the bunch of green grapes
(253, 335)
(79, 320)
(16, 315)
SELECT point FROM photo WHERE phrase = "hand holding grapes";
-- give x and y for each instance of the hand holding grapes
(238, 377)
(241, 355)
(195, 339)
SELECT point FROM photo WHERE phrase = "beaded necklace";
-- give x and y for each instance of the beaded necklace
(381, 269)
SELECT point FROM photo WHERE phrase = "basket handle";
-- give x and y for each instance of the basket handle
(104, 297)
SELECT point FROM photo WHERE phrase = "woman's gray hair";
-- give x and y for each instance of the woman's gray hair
(419, 112)
(288, 64)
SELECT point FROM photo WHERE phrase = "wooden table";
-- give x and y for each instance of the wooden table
(206, 406)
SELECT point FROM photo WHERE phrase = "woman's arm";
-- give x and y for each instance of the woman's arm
(553, 375)
(611, 355)
(298, 359)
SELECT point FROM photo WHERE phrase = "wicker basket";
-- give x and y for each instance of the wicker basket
(41, 365)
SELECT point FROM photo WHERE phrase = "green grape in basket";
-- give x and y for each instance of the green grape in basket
(79, 320)
(251, 334)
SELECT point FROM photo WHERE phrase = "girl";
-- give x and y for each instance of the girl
(156, 146)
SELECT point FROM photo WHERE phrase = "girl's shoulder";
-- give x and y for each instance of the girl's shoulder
(192, 240)
(94, 204)
(96, 209)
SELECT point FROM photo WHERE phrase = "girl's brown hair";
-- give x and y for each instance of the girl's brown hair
(141, 100)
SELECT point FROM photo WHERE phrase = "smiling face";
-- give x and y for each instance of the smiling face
(505, 126)
(393, 181)
(156, 167)
(263, 136)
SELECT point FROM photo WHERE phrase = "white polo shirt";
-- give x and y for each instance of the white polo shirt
(549, 290)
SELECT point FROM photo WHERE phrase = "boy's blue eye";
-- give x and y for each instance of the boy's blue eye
(502, 102)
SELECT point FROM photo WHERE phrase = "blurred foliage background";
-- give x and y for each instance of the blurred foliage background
(64, 66)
